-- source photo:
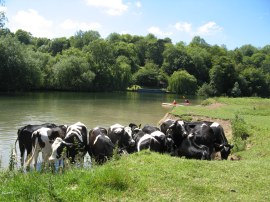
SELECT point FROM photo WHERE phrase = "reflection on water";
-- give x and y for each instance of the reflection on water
(92, 109)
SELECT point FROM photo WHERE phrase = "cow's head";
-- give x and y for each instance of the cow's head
(177, 131)
(127, 137)
(57, 148)
(225, 150)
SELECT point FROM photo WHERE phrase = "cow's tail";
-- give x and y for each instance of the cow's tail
(35, 140)
(15, 150)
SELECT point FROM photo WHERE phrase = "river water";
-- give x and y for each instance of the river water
(92, 109)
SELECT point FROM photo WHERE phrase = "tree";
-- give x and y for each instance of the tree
(2, 15)
(18, 70)
(256, 81)
(183, 83)
(102, 62)
(82, 38)
(147, 76)
(154, 50)
(58, 45)
(128, 50)
(200, 64)
(23, 36)
(73, 73)
(248, 50)
(223, 76)
(175, 58)
(236, 91)
(198, 41)
(122, 73)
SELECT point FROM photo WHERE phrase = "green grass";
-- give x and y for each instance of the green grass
(148, 176)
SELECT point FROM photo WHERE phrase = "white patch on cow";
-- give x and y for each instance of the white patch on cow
(203, 125)
(107, 137)
(145, 137)
(96, 139)
(76, 129)
(181, 123)
(55, 146)
(215, 124)
(128, 130)
(226, 148)
(157, 133)
(115, 126)
(118, 130)
(190, 135)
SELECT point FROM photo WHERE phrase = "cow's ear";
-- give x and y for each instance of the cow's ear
(140, 125)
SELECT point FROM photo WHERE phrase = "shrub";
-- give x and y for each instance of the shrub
(239, 133)
(208, 102)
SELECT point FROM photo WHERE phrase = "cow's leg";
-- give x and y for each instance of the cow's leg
(36, 159)
(22, 151)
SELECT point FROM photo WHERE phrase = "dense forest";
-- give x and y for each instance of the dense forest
(87, 62)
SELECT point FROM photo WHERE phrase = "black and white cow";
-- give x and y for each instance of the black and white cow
(151, 138)
(42, 140)
(150, 129)
(189, 149)
(203, 134)
(24, 138)
(176, 130)
(220, 141)
(122, 136)
(75, 143)
(100, 146)
(149, 142)
(184, 140)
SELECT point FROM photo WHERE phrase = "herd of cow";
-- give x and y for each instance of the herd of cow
(198, 140)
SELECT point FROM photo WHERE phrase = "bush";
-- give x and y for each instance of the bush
(208, 101)
(239, 133)
(182, 82)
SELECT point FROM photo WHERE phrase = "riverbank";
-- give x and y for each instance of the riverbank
(148, 176)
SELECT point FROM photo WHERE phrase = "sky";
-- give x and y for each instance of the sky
(232, 23)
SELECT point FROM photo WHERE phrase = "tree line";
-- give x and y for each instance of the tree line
(87, 62)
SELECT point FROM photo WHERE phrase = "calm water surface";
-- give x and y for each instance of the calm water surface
(92, 109)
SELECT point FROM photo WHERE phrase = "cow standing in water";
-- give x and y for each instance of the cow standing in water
(25, 139)
(42, 140)
(100, 146)
(75, 143)
(122, 136)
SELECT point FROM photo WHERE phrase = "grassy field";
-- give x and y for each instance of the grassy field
(148, 176)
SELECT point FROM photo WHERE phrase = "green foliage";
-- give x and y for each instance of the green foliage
(206, 90)
(23, 36)
(73, 73)
(208, 101)
(147, 76)
(122, 60)
(17, 69)
(3, 18)
(182, 82)
(236, 92)
(239, 133)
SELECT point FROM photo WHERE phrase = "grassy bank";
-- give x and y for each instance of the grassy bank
(147, 176)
